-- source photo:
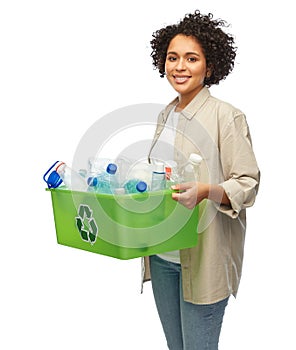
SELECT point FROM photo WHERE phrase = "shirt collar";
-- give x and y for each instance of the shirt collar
(192, 108)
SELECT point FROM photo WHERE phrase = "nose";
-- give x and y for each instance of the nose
(180, 65)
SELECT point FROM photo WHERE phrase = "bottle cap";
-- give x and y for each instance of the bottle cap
(195, 158)
(111, 168)
(54, 180)
(168, 172)
(92, 181)
(141, 186)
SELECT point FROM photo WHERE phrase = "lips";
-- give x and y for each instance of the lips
(181, 79)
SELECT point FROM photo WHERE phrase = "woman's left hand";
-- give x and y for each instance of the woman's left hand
(190, 193)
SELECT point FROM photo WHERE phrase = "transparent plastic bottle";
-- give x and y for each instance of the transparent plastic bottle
(71, 178)
(107, 181)
(52, 178)
(171, 170)
(97, 165)
(140, 170)
(92, 171)
(135, 186)
(123, 166)
(82, 172)
(191, 169)
(92, 182)
(158, 181)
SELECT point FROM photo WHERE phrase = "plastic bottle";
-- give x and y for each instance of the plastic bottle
(141, 171)
(97, 165)
(53, 180)
(119, 191)
(123, 166)
(135, 186)
(107, 181)
(191, 169)
(71, 178)
(168, 173)
(171, 170)
(82, 172)
(91, 176)
(112, 178)
(92, 182)
(158, 181)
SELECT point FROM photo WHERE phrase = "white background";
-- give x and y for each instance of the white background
(64, 64)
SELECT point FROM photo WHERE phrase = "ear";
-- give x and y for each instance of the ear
(208, 73)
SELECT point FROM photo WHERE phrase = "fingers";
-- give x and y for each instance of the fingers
(175, 196)
(183, 186)
(176, 187)
(187, 198)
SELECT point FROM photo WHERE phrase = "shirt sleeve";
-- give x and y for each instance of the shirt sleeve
(239, 166)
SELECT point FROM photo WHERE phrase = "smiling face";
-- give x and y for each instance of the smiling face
(185, 67)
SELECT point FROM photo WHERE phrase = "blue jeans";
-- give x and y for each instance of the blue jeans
(186, 326)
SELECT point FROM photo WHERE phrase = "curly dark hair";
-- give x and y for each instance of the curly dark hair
(218, 46)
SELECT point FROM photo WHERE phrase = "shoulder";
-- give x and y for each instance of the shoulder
(231, 120)
(223, 108)
(226, 114)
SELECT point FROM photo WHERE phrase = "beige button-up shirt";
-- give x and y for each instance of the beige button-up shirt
(217, 131)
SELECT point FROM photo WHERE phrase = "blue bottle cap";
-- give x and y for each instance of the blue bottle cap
(111, 168)
(92, 181)
(141, 186)
(54, 180)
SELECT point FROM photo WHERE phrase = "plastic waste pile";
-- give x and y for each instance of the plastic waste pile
(122, 176)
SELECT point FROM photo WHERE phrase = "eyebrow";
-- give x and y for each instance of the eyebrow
(187, 53)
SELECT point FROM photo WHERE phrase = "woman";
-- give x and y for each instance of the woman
(191, 287)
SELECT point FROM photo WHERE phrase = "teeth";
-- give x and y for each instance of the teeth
(181, 79)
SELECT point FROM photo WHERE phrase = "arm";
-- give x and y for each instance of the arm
(241, 174)
(192, 193)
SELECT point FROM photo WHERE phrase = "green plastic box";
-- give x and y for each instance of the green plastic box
(123, 226)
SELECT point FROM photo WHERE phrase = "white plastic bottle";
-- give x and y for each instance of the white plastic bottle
(71, 178)
(158, 181)
(191, 170)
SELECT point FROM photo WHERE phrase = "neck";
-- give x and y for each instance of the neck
(182, 104)
(184, 100)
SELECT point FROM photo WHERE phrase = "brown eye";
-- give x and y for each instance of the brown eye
(192, 59)
(171, 58)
